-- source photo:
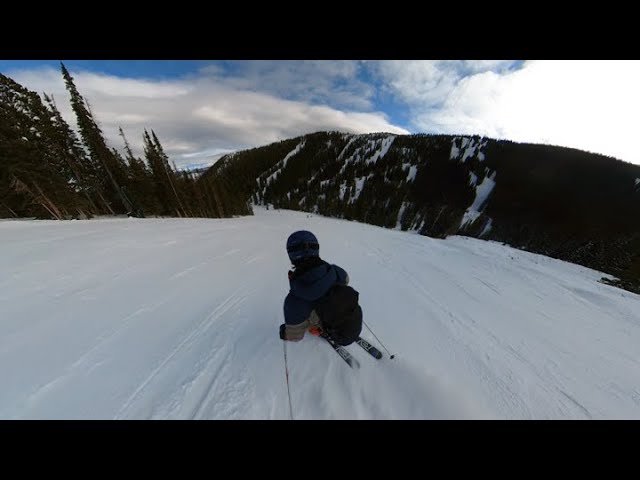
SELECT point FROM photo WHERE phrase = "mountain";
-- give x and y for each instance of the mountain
(565, 203)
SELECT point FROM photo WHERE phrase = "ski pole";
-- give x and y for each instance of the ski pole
(286, 370)
(365, 324)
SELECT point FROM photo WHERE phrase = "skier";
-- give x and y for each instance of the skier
(316, 302)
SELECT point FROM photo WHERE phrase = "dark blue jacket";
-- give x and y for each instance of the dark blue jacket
(308, 287)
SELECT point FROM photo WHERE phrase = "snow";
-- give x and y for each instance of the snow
(455, 151)
(468, 153)
(412, 173)
(346, 147)
(482, 193)
(469, 147)
(385, 144)
(178, 319)
(484, 190)
(343, 189)
(486, 229)
(469, 217)
(359, 185)
(637, 181)
(284, 161)
(381, 145)
(419, 224)
(403, 207)
(295, 151)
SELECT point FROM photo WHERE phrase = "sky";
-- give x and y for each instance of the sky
(195, 335)
(201, 110)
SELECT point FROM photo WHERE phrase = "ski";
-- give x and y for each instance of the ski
(370, 349)
(346, 356)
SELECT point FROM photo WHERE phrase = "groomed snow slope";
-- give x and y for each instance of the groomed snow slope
(178, 319)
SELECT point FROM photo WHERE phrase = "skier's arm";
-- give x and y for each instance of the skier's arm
(296, 318)
(343, 276)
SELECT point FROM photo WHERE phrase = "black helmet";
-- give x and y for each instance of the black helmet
(302, 244)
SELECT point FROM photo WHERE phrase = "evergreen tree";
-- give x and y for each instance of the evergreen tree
(35, 179)
(71, 151)
(161, 178)
(111, 168)
(171, 175)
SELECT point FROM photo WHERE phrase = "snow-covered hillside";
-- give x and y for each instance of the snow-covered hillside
(129, 318)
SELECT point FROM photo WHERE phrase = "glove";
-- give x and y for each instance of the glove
(283, 335)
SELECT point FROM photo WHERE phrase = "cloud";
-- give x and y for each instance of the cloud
(589, 105)
(334, 83)
(200, 117)
(427, 83)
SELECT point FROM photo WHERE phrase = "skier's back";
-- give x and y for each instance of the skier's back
(315, 296)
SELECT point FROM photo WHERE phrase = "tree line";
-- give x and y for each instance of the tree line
(50, 171)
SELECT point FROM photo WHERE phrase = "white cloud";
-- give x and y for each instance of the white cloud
(201, 117)
(589, 105)
(427, 83)
(107, 85)
(484, 65)
(334, 83)
(423, 82)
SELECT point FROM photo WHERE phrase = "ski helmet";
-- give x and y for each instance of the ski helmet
(302, 244)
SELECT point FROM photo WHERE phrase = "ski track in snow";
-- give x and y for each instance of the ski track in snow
(178, 319)
(219, 311)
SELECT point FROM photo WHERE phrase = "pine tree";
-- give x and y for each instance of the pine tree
(164, 161)
(35, 178)
(140, 182)
(159, 177)
(112, 169)
(71, 151)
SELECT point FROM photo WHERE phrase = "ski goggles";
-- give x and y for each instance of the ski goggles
(303, 246)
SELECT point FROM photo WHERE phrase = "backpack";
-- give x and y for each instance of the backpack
(340, 314)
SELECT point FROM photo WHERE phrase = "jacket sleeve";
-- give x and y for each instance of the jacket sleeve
(343, 276)
(297, 316)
